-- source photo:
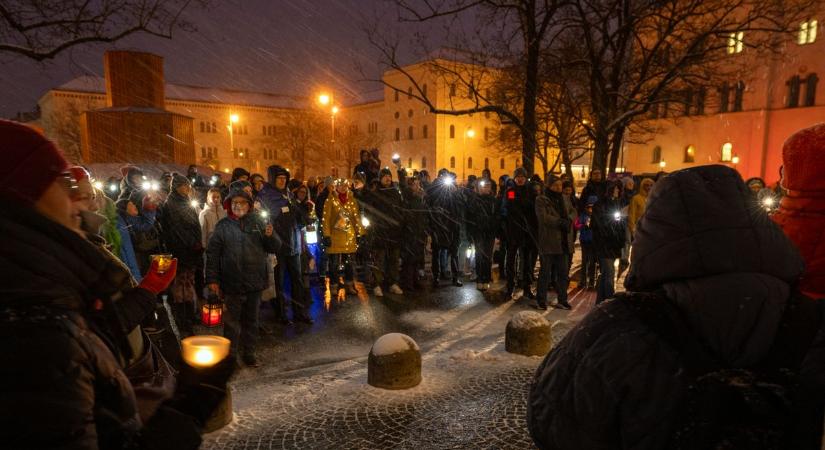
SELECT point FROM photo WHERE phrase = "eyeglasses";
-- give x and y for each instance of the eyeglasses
(240, 203)
(70, 184)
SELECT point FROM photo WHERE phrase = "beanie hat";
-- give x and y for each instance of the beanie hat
(177, 181)
(520, 172)
(239, 172)
(385, 172)
(802, 165)
(233, 193)
(30, 163)
(79, 173)
(239, 185)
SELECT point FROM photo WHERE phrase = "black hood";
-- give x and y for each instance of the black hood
(700, 222)
(274, 172)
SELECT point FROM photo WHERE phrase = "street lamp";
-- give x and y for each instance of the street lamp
(233, 119)
(325, 99)
(662, 164)
(735, 161)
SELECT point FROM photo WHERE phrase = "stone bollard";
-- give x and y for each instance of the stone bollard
(528, 333)
(222, 415)
(394, 362)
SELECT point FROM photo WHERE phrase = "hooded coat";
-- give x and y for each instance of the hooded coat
(286, 216)
(383, 208)
(609, 226)
(553, 239)
(637, 205)
(342, 223)
(209, 217)
(180, 227)
(612, 383)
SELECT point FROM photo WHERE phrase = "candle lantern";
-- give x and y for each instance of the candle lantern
(204, 350)
(212, 313)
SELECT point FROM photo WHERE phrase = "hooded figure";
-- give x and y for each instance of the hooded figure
(366, 167)
(595, 186)
(802, 210)
(131, 185)
(614, 382)
(637, 205)
(211, 214)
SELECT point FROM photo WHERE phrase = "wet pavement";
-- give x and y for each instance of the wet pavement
(311, 390)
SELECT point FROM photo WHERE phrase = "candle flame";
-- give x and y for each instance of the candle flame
(204, 356)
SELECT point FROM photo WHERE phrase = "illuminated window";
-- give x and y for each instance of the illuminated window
(807, 32)
(452, 131)
(470, 162)
(452, 162)
(657, 155)
(736, 42)
(727, 152)
(690, 154)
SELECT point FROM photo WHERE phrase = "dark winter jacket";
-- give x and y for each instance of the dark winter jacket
(383, 207)
(62, 380)
(446, 213)
(483, 217)
(519, 213)
(286, 216)
(612, 383)
(609, 228)
(585, 231)
(556, 218)
(415, 220)
(181, 230)
(237, 254)
(592, 189)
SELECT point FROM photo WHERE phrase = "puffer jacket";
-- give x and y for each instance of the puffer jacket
(612, 383)
(62, 383)
(237, 254)
(342, 224)
(551, 208)
(181, 230)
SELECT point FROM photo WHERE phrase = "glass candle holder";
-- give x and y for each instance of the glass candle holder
(164, 261)
(204, 350)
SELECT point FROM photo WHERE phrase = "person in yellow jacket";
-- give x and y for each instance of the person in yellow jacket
(343, 230)
(638, 204)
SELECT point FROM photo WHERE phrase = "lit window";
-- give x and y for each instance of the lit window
(727, 152)
(736, 42)
(807, 32)
(452, 162)
(690, 154)
(398, 134)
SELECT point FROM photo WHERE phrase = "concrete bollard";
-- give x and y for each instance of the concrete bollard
(394, 362)
(222, 415)
(528, 333)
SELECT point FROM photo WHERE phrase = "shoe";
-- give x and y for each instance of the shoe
(457, 282)
(250, 360)
(562, 305)
(306, 320)
(540, 306)
(395, 289)
(350, 288)
(377, 291)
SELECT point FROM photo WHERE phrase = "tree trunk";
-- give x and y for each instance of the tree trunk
(616, 147)
(565, 159)
(601, 148)
(531, 75)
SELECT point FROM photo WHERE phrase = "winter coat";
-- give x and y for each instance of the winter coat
(551, 209)
(609, 233)
(383, 208)
(62, 382)
(181, 230)
(285, 215)
(585, 231)
(483, 217)
(209, 218)
(415, 217)
(342, 224)
(237, 254)
(637, 206)
(519, 212)
(446, 206)
(612, 383)
(592, 189)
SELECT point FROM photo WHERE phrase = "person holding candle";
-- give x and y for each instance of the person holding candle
(236, 258)
(63, 328)
(342, 229)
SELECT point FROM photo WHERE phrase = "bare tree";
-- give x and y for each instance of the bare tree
(40, 29)
(64, 126)
(350, 139)
(304, 135)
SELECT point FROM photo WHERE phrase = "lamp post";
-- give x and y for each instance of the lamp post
(325, 99)
(470, 133)
(233, 119)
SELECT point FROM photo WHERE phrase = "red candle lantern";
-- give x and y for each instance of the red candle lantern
(211, 314)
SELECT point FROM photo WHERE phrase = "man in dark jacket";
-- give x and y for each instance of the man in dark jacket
(414, 243)
(520, 226)
(595, 187)
(287, 217)
(556, 216)
(383, 208)
(236, 267)
(483, 222)
(445, 201)
(609, 235)
(181, 234)
(727, 271)
(63, 329)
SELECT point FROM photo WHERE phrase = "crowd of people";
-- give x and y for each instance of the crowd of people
(81, 275)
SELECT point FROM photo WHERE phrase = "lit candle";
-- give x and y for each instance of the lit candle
(204, 350)
(164, 261)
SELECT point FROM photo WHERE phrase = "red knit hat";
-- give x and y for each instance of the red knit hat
(29, 163)
(803, 167)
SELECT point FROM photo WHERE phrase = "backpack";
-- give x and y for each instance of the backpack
(759, 407)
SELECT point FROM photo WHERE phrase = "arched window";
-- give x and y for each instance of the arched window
(424, 131)
(409, 163)
(501, 164)
(452, 162)
(452, 131)
(727, 152)
(656, 157)
(487, 163)
(690, 154)
(398, 134)
(423, 162)
(470, 162)
(410, 132)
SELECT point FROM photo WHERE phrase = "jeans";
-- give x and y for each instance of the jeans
(452, 252)
(290, 265)
(607, 273)
(588, 269)
(336, 261)
(557, 266)
(240, 321)
(386, 264)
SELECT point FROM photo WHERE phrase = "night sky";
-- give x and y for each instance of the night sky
(280, 46)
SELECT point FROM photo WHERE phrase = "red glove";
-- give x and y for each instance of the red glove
(148, 204)
(155, 282)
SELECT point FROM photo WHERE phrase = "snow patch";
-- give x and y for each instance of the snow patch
(393, 343)
(472, 355)
(528, 319)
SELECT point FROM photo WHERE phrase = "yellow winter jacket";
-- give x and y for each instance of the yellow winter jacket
(637, 205)
(342, 223)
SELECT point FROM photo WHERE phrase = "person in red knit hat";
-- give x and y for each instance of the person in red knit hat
(802, 210)
(66, 310)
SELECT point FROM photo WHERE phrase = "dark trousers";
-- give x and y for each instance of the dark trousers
(588, 269)
(386, 257)
(410, 263)
(606, 274)
(452, 251)
(340, 262)
(290, 265)
(523, 250)
(240, 321)
(484, 258)
(553, 268)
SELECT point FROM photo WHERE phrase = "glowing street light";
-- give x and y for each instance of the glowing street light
(662, 164)
(324, 99)
(334, 110)
(735, 160)
(233, 118)
(471, 133)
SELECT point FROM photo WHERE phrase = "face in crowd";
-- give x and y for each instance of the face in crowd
(258, 183)
(520, 180)
(556, 186)
(596, 175)
(280, 182)
(185, 189)
(215, 197)
(240, 207)
(386, 181)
